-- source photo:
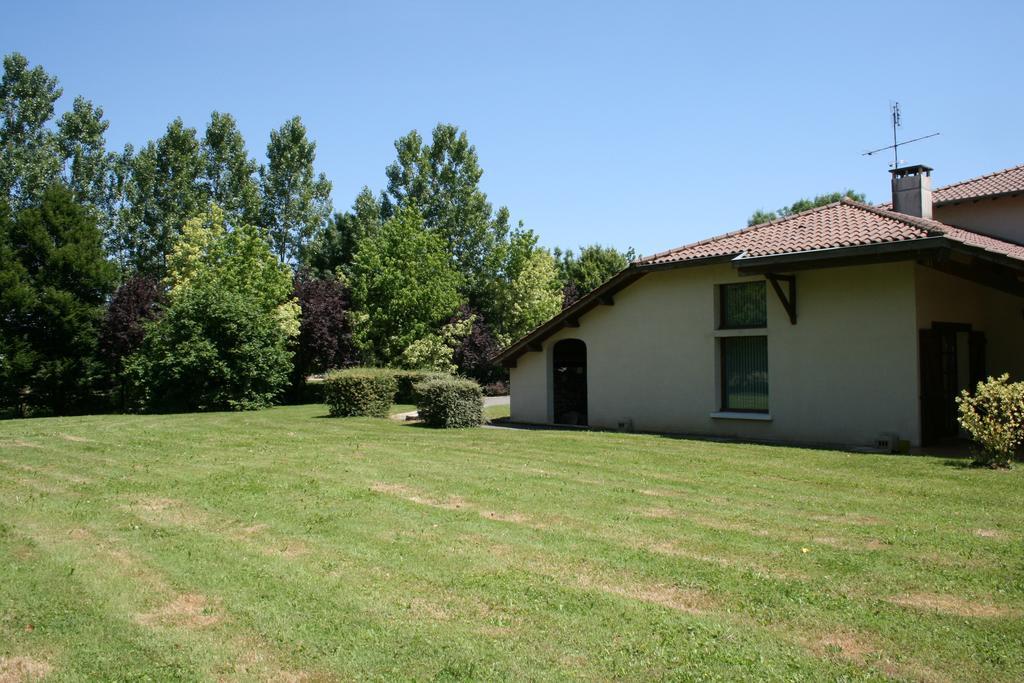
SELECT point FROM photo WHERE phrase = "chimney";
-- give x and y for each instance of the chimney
(912, 190)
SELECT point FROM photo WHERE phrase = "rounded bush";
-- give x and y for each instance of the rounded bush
(360, 391)
(994, 417)
(408, 379)
(450, 402)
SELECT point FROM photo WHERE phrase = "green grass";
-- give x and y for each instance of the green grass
(277, 543)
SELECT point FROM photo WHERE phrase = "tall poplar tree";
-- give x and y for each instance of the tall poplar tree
(441, 181)
(229, 172)
(164, 191)
(296, 201)
(29, 156)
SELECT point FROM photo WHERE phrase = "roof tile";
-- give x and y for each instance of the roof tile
(1001, 182)
(845, 223)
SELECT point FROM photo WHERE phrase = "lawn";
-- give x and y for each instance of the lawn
(280, 544)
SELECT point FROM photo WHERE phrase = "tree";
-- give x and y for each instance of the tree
(594, 265)
(473, 354)
(333, 249)
(229, 172)
(212, 350)
(325, 337)
(29, 158)
(441, 180)
(530, 290)
(296, 201)
(87, 164)
(805, 204)
(136, 302)
(403, 287)
(223, 341)
(164, 190)
(54, 279)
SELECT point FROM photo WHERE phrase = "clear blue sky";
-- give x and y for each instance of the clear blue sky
(648, 124)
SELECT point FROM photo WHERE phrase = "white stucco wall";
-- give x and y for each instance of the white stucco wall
(1002, 217)
(845, 373)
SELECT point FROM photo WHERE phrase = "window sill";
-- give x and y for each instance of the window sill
(735, 415)
(743, 332)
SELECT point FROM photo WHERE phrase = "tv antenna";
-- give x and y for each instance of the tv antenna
(894, 110)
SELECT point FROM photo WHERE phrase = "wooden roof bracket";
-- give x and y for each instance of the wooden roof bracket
(788, 299)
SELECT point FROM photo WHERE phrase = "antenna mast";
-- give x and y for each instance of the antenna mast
(894, 110)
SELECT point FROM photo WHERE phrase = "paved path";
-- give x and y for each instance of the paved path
(488, 401)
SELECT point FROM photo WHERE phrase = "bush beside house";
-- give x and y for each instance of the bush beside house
(449, 402)
(994, 417)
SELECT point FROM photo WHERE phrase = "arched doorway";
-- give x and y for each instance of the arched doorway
(569, 382)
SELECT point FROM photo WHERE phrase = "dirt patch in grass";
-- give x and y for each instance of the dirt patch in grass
(737, 563)
(451, 503)
(659, 513)
(989, 533)
(21, 443)
(171, 512)
(23, 669)
(690, 600)
(852, 518)
(844, 644)
(47, 472)
(187, 610)
(76, 439)
(951, 604)
(864, 651)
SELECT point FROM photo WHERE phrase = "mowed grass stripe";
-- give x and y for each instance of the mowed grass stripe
(507, 554)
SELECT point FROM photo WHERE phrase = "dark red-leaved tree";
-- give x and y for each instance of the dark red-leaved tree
(473, 354)
(135, 302)
(570, 295)
(325, 337)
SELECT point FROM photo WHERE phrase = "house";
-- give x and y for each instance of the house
(848, 324)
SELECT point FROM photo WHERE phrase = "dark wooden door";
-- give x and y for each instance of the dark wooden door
(940, 377)
(569, 382)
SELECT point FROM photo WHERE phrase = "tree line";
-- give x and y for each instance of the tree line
(185, 275)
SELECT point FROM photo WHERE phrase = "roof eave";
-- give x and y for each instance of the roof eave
(979, 198)
(592, 299)
(897, 250)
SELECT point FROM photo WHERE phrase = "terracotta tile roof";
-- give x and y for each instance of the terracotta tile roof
(1007, 181)
(1001, 182)
(990, 244)
(845, 223)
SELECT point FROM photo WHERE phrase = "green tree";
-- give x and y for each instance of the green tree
(211, 252)
(164, 190)
(29, 156)
(805, 204)
(223, 341)
(87, 164)
(296, 201)
(229, 172)
(441, 180)
(530, 289)
(403, 287)
(54, 280)
(333, 249)
(594, 265)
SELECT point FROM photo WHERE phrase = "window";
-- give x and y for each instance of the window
(742, 306)
(743, 358)
(745, 374)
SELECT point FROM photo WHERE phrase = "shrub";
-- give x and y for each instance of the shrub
(211, 350)
(408, 379)
(449, 402)
(360, 391)
(994, 417)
